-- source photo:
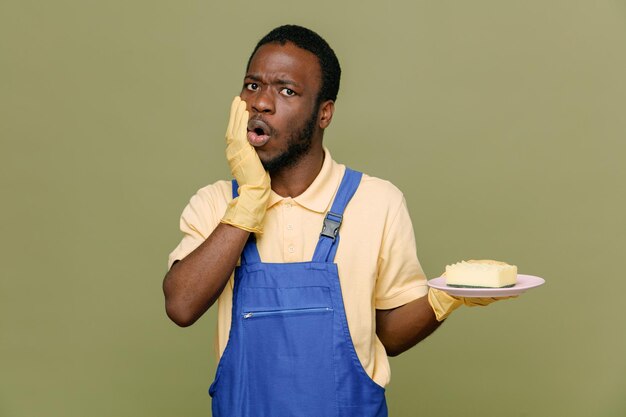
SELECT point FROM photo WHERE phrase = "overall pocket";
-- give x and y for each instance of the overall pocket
(291, 311)
(289, 352)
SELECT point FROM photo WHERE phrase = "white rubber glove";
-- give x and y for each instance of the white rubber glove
(248, 210)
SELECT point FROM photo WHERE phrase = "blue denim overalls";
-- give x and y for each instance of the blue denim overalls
(289, 352)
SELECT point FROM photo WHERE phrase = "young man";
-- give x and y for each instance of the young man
(307, 320)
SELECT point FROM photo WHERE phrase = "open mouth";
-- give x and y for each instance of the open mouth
(258, 133)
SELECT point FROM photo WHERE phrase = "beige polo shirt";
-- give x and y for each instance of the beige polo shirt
(376, 257)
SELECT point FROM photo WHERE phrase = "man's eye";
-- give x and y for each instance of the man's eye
(252, 86)
(287, 92)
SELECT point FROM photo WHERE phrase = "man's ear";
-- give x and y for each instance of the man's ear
(326, 111)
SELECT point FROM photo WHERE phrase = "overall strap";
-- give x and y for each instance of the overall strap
(329, 237)
(250, 254)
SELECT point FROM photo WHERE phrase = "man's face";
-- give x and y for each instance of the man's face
(280, 89)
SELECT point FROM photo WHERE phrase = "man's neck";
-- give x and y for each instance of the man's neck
(294, 180)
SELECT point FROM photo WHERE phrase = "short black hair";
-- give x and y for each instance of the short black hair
(307, 39)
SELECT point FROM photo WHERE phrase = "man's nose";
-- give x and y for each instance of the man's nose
(262, 102)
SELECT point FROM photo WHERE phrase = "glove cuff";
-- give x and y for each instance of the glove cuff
(248, 210)
(442, 303)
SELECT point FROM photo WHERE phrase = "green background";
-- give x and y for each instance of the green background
(503, 122)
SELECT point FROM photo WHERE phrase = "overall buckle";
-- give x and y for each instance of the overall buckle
(332, 222)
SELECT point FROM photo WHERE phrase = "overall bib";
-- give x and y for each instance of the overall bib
(289, 352)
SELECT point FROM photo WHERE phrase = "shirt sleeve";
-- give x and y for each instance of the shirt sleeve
(400, 275)
(198, 220)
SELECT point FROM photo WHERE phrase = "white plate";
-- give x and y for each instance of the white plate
(524, 282)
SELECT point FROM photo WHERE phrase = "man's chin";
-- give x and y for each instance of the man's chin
(278, 162)
(287, 159)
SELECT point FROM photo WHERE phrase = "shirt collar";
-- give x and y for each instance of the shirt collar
(320, 193)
